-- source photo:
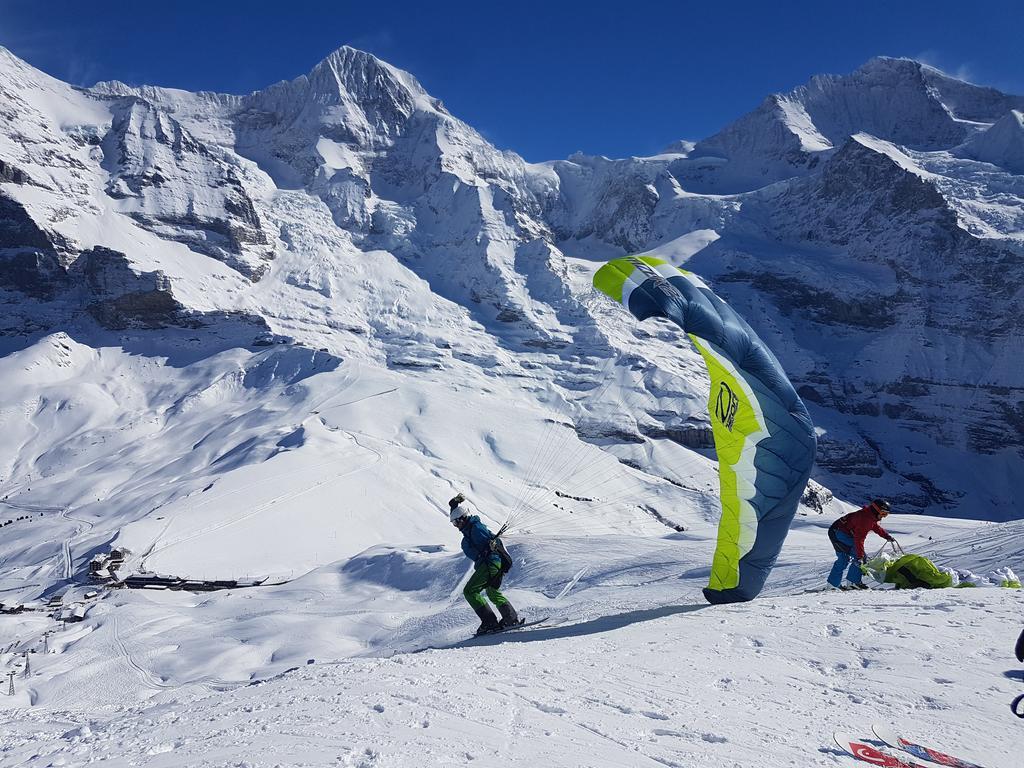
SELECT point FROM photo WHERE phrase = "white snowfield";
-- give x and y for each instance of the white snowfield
(634, 668)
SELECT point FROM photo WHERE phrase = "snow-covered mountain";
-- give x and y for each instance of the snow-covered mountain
(269, 335)
(871, 228)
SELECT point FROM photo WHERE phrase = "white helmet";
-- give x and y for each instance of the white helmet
(456, 512)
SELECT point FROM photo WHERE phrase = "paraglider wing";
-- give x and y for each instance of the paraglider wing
(763, 434)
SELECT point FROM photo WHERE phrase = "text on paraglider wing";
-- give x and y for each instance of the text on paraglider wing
(726, 405)
(660, 282)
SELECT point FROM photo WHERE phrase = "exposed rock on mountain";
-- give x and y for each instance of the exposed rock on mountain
(916, 291)
(154, 165)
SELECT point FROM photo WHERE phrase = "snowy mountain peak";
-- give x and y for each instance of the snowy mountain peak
(897, 100)
(1002, 144)
(351, 75)
(886, 68)
(344, 210)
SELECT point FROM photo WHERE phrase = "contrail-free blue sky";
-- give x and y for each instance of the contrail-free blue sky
(542, 78)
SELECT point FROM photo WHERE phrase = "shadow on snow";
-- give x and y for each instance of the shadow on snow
(592, 627)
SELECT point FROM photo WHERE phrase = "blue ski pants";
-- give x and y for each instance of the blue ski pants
(842, 542)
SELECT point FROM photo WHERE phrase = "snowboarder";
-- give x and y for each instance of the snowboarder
(484, 549)
(847, 535)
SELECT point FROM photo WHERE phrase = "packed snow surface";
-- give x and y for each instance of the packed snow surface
(632, 668)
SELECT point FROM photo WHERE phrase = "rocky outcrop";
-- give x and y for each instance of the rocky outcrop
(31, 259)
(119, 297)
(11, 173)
(179, 189)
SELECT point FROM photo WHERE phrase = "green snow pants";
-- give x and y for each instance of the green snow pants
(486, 574)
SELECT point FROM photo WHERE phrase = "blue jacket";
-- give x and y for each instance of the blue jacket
(476, 542)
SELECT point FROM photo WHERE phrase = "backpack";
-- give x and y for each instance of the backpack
(506, 559)
(506, 562)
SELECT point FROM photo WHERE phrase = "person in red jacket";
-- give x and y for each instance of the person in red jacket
(847, 535)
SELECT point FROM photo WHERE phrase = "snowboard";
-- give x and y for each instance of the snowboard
(522, 625)
(925, 753)
(869, 754)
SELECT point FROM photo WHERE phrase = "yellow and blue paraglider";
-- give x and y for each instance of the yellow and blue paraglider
(763, 434)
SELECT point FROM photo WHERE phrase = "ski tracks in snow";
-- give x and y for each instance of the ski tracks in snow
(69, 565)
(156, 549)
(148, 678)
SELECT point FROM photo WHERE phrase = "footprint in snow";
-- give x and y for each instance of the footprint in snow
(550, 709)
(621, 708)
(655, 715)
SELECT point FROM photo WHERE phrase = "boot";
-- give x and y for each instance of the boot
(488, 621)
(509, 617)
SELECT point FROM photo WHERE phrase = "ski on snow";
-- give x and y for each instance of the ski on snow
(925, 753)
(869, 754)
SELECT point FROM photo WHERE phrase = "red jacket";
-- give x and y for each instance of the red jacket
(858, 524)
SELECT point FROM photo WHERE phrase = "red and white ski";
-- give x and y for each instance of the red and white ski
(869, 754)
(896, 741)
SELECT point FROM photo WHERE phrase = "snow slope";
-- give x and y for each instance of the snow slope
(633, 669)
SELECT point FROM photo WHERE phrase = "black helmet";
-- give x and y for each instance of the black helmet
(881, 505)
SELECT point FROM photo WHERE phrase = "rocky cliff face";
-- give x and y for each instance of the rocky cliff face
(153, 164)
(868, 225)
(889, 347)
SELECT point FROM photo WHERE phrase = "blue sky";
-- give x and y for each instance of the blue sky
(542, 78)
